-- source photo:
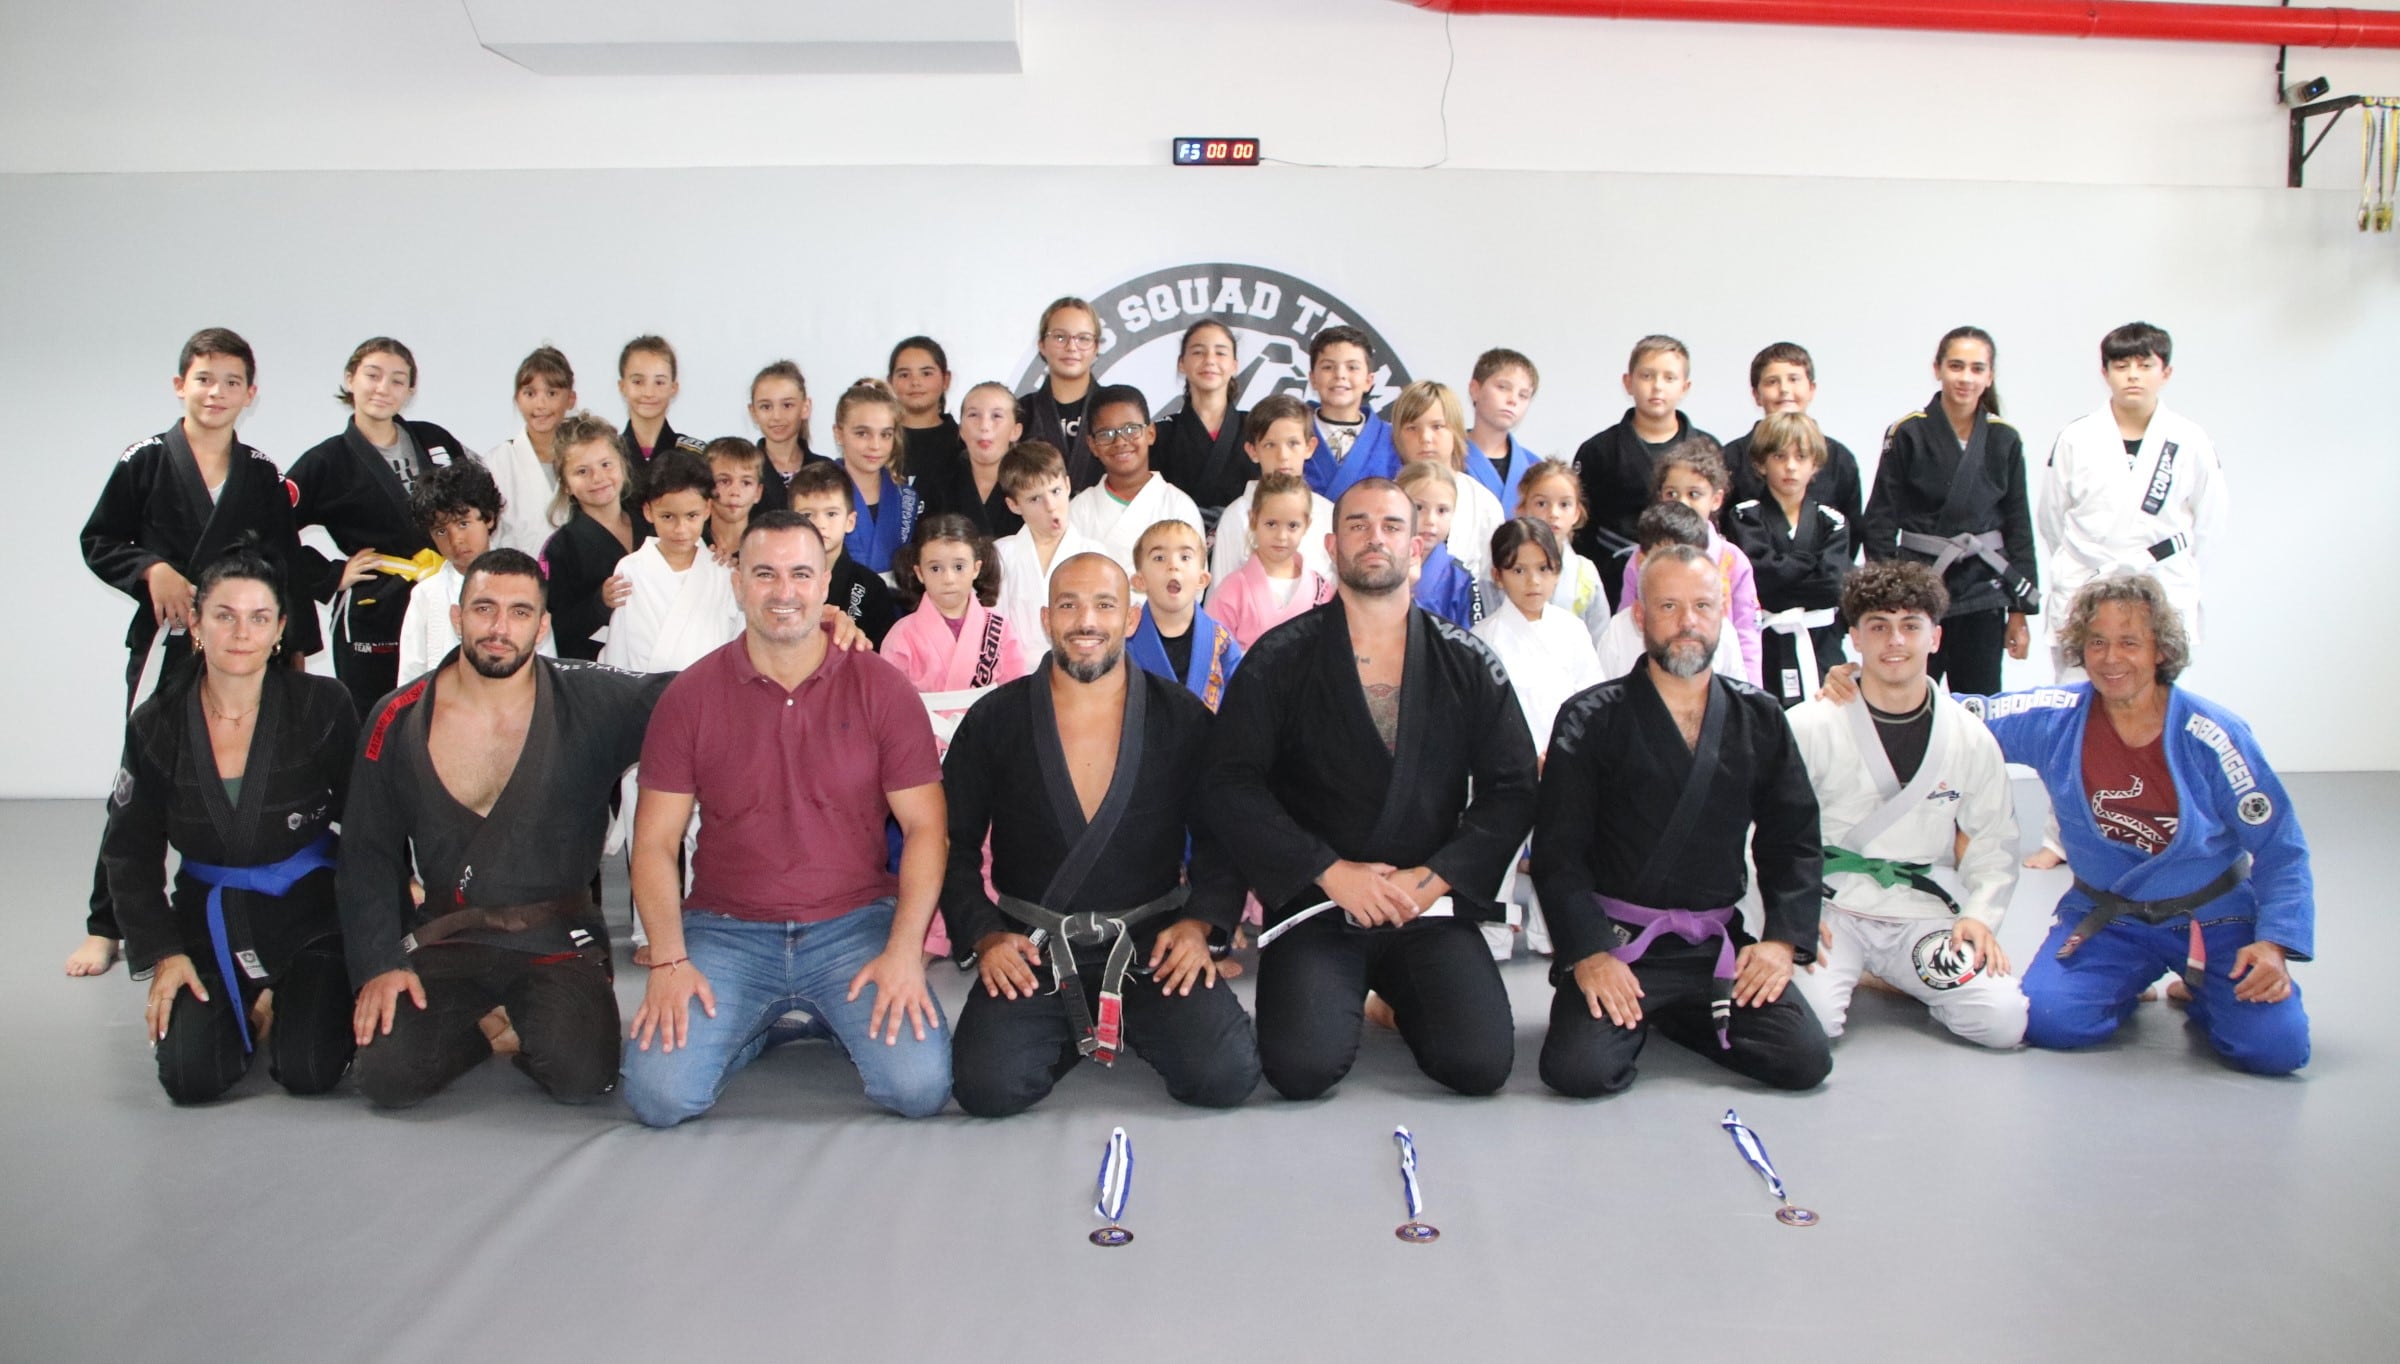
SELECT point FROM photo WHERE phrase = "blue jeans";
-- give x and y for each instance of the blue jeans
(760, 972)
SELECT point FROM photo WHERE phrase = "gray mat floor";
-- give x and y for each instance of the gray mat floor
(2140, 1199)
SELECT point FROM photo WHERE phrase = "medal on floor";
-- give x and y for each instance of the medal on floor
(1414, 1230)
(1116, 1181)
(1755, 1152)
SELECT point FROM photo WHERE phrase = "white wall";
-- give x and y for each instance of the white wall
(1847, 223)
(148, 85)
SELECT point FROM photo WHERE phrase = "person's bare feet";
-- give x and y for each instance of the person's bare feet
(2043, 859)
(262, 1017)
(498, 1031)
(1379, 1014)
(2179, 994)
(641, 955)
(93, 958)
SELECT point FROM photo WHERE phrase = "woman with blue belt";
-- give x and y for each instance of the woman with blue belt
(239, 763)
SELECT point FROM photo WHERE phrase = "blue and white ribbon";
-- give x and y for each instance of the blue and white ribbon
(1754, 1151)
(1408, 1173)
(1116, 1177)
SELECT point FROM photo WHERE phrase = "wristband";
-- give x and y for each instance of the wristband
(665, 965)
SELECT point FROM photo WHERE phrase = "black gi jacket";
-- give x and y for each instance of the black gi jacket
(1038, 412)
(155, 508)
(1926, 483)
(1214, 470)
(1006, 775)
(1614, 788)
(344, 486)
(1615, 468)
(1299, 777)
(541, 842)
(1836, 485)
(580, 557)
(168, 794)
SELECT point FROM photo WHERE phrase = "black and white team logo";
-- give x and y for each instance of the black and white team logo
(1941, 965)
(2255, 808)
(1272, 316)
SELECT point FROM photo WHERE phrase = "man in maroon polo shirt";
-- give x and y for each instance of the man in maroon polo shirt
(795, 753)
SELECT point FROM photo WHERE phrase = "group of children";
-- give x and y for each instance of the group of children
(942, 529)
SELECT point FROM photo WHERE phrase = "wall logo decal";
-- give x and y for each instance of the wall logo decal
(1272, 315)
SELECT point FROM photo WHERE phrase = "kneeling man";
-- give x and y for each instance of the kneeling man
(1086, 777)
(1920, 828)
(1652, 782)
(795, 753)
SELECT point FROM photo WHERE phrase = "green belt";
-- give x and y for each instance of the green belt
(1888, 872)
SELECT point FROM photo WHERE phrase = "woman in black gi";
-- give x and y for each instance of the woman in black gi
(239, 763)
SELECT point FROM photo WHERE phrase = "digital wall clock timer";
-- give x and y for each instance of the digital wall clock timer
(1216, 151)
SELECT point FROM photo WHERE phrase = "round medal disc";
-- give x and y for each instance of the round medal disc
(1417, 1233)
(1795, 1217)
(1112, 1236)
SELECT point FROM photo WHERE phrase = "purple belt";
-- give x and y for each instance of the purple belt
(1693, 926)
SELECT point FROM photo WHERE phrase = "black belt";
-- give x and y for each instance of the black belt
(2108, 906)
(2171, 546)
(1101, 1038)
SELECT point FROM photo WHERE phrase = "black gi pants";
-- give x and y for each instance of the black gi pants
(1007, 1054)
(1969, 660)
(100, 912)
(1780, 1044)
(309, 1047)
(563, 1007)
(1437, 975)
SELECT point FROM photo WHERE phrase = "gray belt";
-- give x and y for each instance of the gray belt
(1101, 1038)
(1949, 549)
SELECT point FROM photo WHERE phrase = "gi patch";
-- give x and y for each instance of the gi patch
(440, 455)
(121, 794)
(1940, 965)
(294, 820)
(2255, 808)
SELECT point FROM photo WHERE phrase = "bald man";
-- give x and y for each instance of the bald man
(1086, 778)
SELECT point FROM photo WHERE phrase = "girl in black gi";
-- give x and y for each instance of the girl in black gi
(357, 486)
(1199, 446)
(240, 765)
(779, 408)
(1950, 491)
(601, 527)
(920, 378)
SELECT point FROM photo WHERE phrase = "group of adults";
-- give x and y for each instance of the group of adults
(1369, 778)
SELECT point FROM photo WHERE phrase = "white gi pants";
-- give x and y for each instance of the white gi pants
(1989, 1009)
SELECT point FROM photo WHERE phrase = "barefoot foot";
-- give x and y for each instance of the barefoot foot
(93, 958)
(2043, 859)
(498, 1031)
(1379, 1014)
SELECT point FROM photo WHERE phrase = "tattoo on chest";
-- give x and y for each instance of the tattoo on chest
(1383, 703)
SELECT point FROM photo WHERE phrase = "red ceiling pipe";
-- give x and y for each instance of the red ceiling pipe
(2263, 25)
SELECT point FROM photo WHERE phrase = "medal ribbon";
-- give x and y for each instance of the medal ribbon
(1755, 1152)
(1116, 1177)
(1408, 1173)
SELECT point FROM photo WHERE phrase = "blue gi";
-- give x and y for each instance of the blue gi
(1214, 655)
(2230, 803)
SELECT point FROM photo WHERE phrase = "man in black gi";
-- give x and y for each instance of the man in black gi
(1651, 783)
(489, 776)
(1086, 775)
(1371, 776)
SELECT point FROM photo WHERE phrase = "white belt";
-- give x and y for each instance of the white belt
(1797, 622)
(1439, 909)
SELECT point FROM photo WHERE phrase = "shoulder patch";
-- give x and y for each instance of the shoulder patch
(291, 491)
(1990, 420)
(1747, 504)
(2255, 808)
(2229, 761)
(121, 793)
(692, 443)
(138, 446)
(1831, 515)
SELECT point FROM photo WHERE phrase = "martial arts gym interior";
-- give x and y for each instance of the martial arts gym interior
(1504, 197)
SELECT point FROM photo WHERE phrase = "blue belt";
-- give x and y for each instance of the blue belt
(274, 878)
